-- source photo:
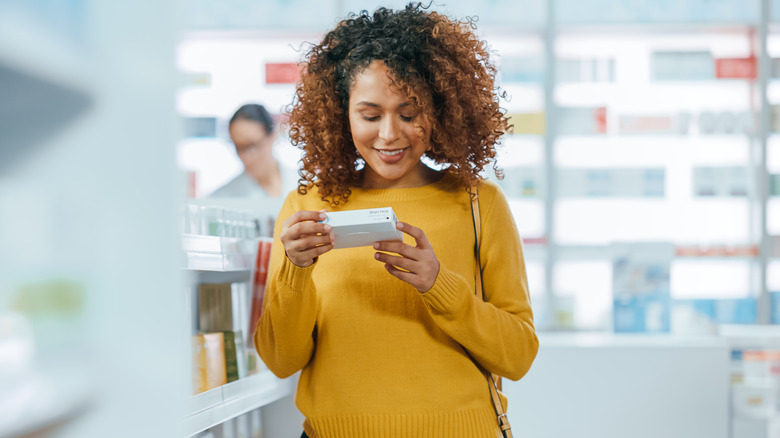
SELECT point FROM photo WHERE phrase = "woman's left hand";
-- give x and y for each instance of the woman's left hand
(418, 264)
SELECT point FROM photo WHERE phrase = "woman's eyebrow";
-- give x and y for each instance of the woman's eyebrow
(374, 105)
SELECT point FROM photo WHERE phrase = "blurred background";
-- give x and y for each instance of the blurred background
(643, 173)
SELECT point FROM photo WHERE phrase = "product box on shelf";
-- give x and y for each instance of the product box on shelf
(528, 123)
(582, 120)
(641, 287)
(256, 301)
(586, 70)
(234, 355)
(628, 183)
(654, 124)
(208, 360)
(774, 184)
(217, 358)
(720, 181)
(736, 68)
(720, 311)
(215, 307)
(683, 66)
(754, 401)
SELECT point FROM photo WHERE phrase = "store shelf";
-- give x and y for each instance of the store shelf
(718, 251)
(220, 404)
(218, 254)
(611, 340)
(751, 336)
(607, 252)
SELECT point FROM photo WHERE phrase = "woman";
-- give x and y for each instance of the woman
(385, 335)
(252, 132)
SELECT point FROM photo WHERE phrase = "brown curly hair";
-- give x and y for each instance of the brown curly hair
(439, 62)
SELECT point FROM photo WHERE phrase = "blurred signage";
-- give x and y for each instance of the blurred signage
(736, 68)
(282, 73)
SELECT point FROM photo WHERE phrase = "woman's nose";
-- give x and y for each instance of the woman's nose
(388, 130)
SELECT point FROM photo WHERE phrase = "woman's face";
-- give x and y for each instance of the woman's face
(253, 143)
(388, 130)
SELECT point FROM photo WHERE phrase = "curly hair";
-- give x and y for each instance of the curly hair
(438, 62)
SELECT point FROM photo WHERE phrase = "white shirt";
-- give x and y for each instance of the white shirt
(245, 186)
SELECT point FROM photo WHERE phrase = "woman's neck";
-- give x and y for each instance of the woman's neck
(424, 176)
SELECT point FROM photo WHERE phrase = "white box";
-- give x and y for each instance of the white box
(354, 228)
(753, 401)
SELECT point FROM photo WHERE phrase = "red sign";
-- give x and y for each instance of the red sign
(282, 73)
(736, 68)
(601, 120)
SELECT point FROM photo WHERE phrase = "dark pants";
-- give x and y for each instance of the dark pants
(304, 435)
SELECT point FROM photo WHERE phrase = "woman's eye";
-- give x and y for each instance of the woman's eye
(407, 118)
(371, 119)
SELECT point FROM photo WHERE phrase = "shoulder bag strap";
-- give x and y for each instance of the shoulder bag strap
(494, 381)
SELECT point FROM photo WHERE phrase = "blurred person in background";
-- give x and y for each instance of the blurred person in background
(253, 133)
(392, 340)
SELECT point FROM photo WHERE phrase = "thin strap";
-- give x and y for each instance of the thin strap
(494, 382)
(477, 222)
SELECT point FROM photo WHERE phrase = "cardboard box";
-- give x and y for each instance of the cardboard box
(355, 228)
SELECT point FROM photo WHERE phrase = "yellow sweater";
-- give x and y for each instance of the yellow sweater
(378, 358)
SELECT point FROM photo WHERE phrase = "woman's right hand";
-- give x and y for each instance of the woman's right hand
(304, 238)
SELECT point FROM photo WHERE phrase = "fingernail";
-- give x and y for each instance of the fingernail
(376, 256)
(332, 237)
(323, 215)
(399, 225)
(326, 228)
(376, 246)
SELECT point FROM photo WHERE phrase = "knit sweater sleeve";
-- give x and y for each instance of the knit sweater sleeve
(285, 331)
(499, 332)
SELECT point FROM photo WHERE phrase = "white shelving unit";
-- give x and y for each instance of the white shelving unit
(750, 399)
(225, 259)
(220, 404)
(218, 254)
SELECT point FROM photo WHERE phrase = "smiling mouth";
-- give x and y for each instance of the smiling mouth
(391, 153)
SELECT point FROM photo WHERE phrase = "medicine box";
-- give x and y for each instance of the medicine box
(353, 228)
